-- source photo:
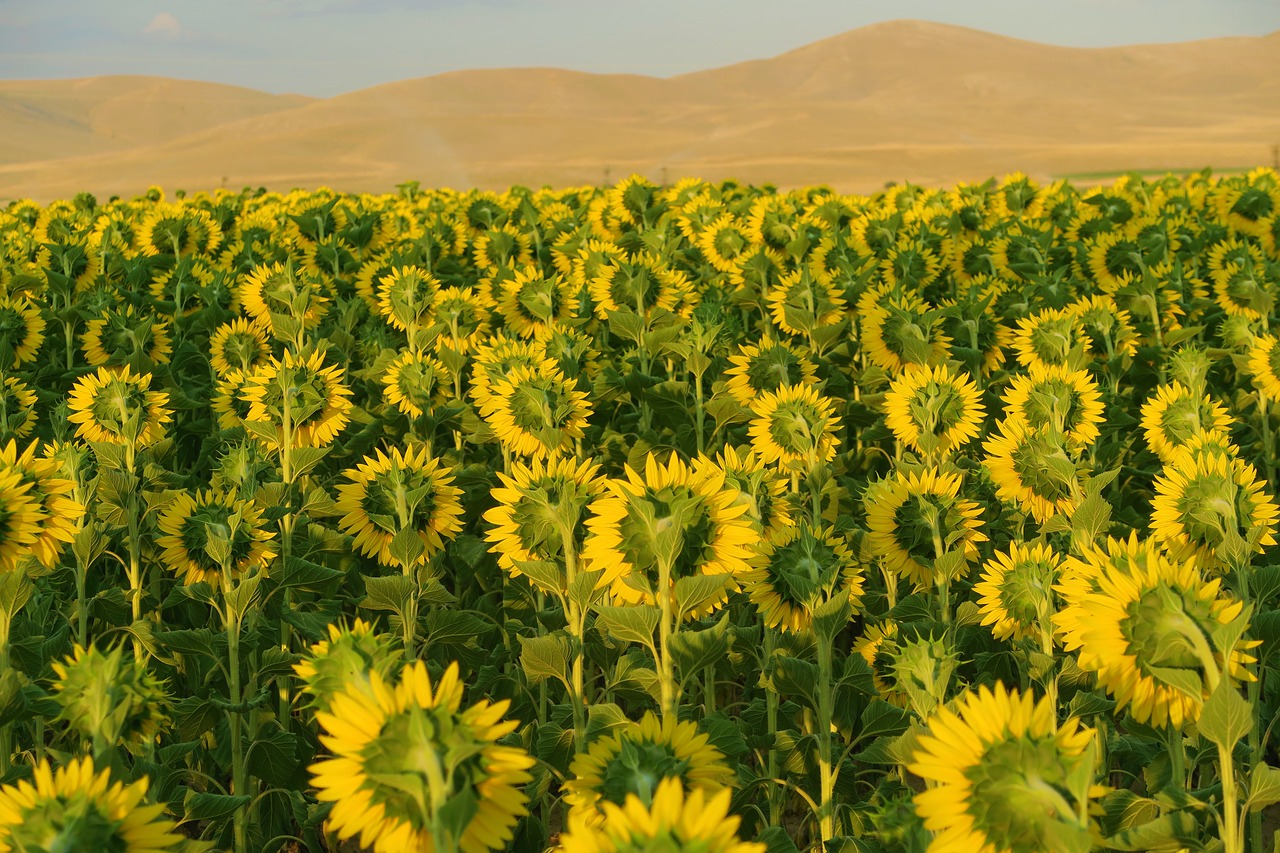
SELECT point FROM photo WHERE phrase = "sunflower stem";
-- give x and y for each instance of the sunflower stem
(239, 777)
(1230, 821)
(286, 546)
(698, 413)
(1177, 756)
(577, 628)
(666, 673)
(826, 779)
(771, 720)
(1268, 446)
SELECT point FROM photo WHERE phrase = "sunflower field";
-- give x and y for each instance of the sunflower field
(703, 517)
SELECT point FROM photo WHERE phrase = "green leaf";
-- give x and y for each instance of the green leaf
(1091, 520)
(1226, 716)
(1264, 787)
(699, 592)
(455, 627)
(629, 624)
(1170, 832)
(603, 718)
(393, 593)
(304, 459)
(13, 700)
(298, 573)
(407, 547)
(15, 592)
(546, 657)
(273, 754)
(881, 719)
(693, 651)
(201, 806)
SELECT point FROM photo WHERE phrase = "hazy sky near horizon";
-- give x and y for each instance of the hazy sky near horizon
(325, 47)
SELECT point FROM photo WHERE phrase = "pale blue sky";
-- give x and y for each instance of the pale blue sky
(324, 47)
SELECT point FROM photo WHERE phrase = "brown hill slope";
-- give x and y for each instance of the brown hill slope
(903, 100)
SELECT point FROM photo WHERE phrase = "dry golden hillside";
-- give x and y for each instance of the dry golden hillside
(904, 100)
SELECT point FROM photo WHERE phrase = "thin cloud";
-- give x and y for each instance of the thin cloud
(164, 24)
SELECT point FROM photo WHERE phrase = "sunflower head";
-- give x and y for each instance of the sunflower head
(400, 506)
(344, 661)
(675, 822)
(536, 412)
(116, 406)
(1051, 337)
(933, 410)
(795, 428)
(17, 409)
(240, 345)
(21, 331)
(1175, 414)
(1005, 775)
(405, 296)
(1033, 468)
(1146, 624)
(539, 508)
(878, 646)
(1264, 365)
(213, 538)
(298, 395)
(922, 527)
(1016, 591)
(532, 301)
(922, 668)
(761, 488)
(121, 336)
(1055, 399)
(807, 568)
(767, 367)
(408, 758)
(636, 758)
(416, 382)
(672, 520)
(109, 698)
(285, 300)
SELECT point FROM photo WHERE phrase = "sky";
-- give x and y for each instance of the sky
(326, 47)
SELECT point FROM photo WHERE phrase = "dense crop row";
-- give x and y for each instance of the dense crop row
(697, 518)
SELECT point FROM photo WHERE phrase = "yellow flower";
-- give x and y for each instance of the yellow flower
(462, 319)
(1173, 416)
(1056, 399)
(1031, 468)
(1016, 591)
(416, 382)
(17, 409)
(794, 427)
(58, 515)
(1205, 499)
(403, 490)
(122, 336)
(116, 406)
(933, 410)
(766, 367)
(800, 304)
(806, 569)
(761, 489)
(345, 661)
(538, 504)
(914, 519)
(72, 808)
(636, 758)
(21, 330)
(675, 514)
(535, 413)
(300, 393)
(211, 534)
(1051, 337)
(178, 230)
(240, 345)
(900, 329)
(402, 754)
(405, 297)
(1264, 365)
(1144, 625)
(532, 302)
(676, 822)
(1004, 775)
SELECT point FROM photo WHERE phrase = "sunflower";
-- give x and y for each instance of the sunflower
(1016, 590)
(878, 646)
(676, 821)
(1264, 365)
(211, 537)
(913, 519)
(496, 359)
(21, 330)
(391, 493)
(345, 661)
(1051, 337)
(59, 513)
(761, 488)
(116, 406)
(188, 286)
(765, 367)
(724, 242)
(900, 329)
(537, 504)
(503, 247)
(800, 304)
(794, 427)
(1056, 399)
(1244, 292)
(405, 297)
(643, 284)
(178, 230)
(806, 569)
(228, 401)
(1145, 628)
(121, 336)
(1004, 775)
(532, 301)
(684, 517)
(240, 345)
(278, 291)
(636, 758)
(1032, 468)
(1206, 499)
(17, 409)
(300, 390)
(72, 808)
(462, 319)
(933, 410)
(407, 758)
(1175, 414)
(109, 698)
(1107, 326)
(535, 413)
(416, 382)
